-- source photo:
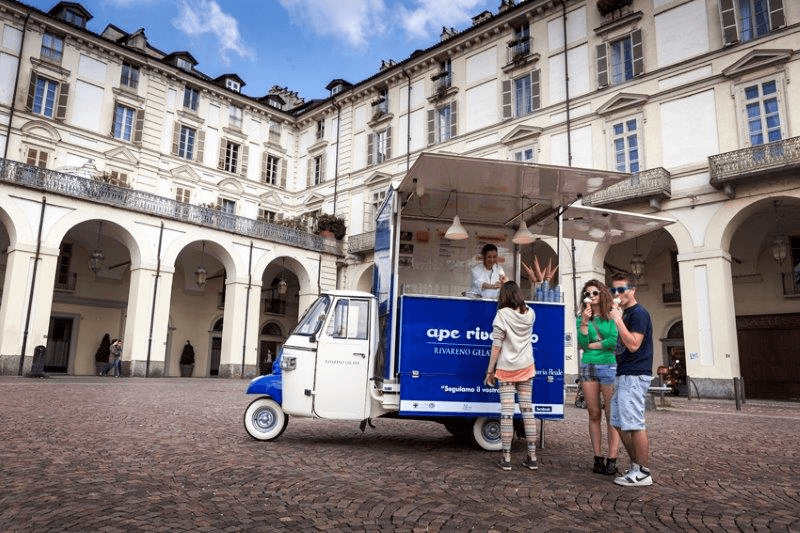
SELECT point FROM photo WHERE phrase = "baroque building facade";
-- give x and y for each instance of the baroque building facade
(143, 198)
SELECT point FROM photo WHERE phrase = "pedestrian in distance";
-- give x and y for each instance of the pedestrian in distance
(597, 337)
(114, 359)
(634, 354)
(512, 365)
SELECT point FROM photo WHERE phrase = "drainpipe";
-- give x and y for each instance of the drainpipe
(153, 308)
(33, 284)
(247, 304)
(569, 151)
(16, 85)
(408, 120)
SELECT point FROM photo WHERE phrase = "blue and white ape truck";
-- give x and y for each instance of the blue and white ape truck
(418, 345)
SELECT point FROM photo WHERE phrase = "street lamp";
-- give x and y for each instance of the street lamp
(200, 273)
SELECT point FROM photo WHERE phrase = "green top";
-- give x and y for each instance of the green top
(598, 329)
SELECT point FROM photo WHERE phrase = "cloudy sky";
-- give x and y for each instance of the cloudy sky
(299, 44)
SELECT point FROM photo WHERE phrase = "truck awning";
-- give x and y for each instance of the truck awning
(498, 193)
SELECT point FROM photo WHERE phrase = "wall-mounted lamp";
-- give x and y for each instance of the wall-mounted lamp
(456, 231)
(96, 258)
(200, 273)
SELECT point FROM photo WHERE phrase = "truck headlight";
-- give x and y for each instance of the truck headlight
(288, 363)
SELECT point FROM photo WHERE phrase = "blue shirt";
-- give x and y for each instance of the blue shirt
(640, 362)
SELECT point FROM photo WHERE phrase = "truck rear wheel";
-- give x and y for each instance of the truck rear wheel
(264, 419)
(486, 432)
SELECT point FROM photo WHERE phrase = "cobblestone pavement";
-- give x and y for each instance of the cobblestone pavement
(104, 454)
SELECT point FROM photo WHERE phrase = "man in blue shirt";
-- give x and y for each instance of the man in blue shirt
(634, 355)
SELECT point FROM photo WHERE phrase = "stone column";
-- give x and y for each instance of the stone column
(14, 310)
(140, 315)
(234, 343)
(712, 349)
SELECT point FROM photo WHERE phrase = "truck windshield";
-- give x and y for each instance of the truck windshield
(312, 318)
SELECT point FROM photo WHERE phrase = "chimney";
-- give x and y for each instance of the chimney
(446, 33)
(481, 17)
(506, 4)
(387, 63)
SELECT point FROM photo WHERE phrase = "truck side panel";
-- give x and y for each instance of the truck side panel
(444, 349)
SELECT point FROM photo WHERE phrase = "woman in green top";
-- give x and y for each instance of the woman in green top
(597, 336)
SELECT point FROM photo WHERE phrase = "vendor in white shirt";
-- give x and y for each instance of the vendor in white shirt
(488, 276)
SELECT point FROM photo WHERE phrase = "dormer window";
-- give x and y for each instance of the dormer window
(233, 85)
(336, 89)
(73, 17)
(183, 64)
(71, 13)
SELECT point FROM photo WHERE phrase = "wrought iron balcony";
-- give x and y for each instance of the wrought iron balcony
(66, 282)
(519, 49)
(150, 204)
(363, 242)
(670, 294)
(774, 159)
(652, 185)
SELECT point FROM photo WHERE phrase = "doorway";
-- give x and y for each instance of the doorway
(270, 341)
(59, 339)
(216, 348)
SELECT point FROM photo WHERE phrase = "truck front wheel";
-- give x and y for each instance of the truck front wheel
(264, 419)
(486, 432)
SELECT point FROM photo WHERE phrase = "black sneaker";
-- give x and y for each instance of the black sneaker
(530, 464)
(504, 465)
(610, 468)
(598, 464)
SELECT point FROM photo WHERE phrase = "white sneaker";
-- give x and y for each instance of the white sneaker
(634, 477)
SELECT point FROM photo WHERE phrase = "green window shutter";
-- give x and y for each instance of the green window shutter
(727, 17)
(176, 138)
(776, 17)
(244, 160)
(638, 54)
(63, 97)
(602, 66)
(431, 127)
(31, 92)
(536, 100)
(506, 89)
(388, 142)
(201, 146)
(370, 148)
(453, 119)
(139, 126)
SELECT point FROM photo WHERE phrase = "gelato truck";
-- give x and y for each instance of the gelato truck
(417, 345)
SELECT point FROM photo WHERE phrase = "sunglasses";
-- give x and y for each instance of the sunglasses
(589, 294)
(618, 290)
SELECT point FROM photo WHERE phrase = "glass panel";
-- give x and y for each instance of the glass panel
(768, 87)
(751, 92)
(313, 317)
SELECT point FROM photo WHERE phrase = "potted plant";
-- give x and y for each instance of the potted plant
(102, 354)
(331, 226)
(187, 360)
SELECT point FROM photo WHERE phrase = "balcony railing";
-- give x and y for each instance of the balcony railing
(671, 294)
(791, 287)
(652, 185)
(363, 242)
(151, 204)
(519, 49)
(66, 283)
(773, 159)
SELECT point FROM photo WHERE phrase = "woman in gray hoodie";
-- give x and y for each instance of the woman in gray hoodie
(511, 363)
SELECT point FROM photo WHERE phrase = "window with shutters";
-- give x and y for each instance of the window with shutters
(183, 195)
(526, 94)
(37, 158)
(231, 157)
(227, 206)
(272, 165)
(620, 60)
(371, 208)
(442, 123)
(235, 116)
(745, 20)
(129, 76)
(186, 142)
(123, 122)
(115, 177)
(625, 145)
(762, 110)
(52, 47)
(191, 98)
(63, 267)
(265, 215)
(321, 128)
(379, 146)
(317, 166)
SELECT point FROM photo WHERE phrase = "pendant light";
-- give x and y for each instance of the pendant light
(456, 231)
(97, 257)
(200, 273)
(282, 286)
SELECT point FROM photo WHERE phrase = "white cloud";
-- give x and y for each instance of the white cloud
(356, 21)
(200, 17)
(427, 17)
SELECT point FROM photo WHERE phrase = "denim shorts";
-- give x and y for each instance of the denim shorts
(627, 402)
(605, 374)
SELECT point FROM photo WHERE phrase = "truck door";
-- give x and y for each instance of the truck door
(343, 362)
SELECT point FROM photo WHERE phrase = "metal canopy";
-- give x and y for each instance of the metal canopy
(495, 193)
